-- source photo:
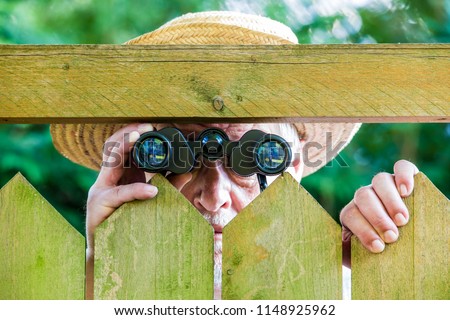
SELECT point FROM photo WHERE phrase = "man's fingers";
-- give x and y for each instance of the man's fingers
(352, 219)
(103, 201)
(373, 211)
(115, 197)
(116, 152)
(118, 136)
(404, 172)
(384, 186)
(377, 210)
(113, 168)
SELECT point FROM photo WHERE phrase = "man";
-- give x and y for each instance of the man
(374, 214)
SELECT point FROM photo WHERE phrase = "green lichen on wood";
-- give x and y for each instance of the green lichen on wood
(416, 266)
(161, 248)
(42, 256)
(282, 246)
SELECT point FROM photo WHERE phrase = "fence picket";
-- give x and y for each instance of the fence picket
(282, 246)
(156, 249)
(416, 266)
(42, 256)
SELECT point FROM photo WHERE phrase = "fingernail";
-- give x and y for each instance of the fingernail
(152, 190)
(400, 219)
(390, 236)
(133, 136)
(144, 127)
(377, 246)
(403, 190)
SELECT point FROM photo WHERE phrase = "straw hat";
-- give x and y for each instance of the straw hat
(83, 143)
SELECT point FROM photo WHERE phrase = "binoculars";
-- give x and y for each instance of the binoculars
(168, 150)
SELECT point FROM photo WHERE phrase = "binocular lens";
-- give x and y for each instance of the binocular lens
(212, 145)
(153, 152)
(271, 156)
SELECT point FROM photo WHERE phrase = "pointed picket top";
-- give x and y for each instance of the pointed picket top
(283, 245)
(42, 256)
(416, 266)
(161, 248)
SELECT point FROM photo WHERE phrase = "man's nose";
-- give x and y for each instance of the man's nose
(215, 188)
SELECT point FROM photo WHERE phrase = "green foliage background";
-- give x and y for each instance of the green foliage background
(28, 148)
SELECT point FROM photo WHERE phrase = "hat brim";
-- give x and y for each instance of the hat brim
(83, 143)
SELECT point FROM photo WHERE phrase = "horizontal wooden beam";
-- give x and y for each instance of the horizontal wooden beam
(118, 83)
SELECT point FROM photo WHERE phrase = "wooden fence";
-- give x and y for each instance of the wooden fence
(283, 245)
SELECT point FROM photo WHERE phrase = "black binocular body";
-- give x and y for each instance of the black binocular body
(168, 150)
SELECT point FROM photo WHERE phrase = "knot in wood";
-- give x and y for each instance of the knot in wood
(218, 103)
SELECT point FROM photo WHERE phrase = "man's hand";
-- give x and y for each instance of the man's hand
(377, 210)
(115, 185)
(119, 181)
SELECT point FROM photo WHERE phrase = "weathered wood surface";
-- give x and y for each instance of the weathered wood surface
(282, 246)
(42, 256)
(417, 265)
(333, 83)
(156, 249)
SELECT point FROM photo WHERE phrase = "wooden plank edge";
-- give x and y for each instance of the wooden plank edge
(218, 119)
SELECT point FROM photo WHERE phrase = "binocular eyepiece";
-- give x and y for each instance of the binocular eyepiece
(168, 150)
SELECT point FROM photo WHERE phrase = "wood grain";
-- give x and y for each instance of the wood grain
(331, 83)
(417, 265)
(282, 246)
(42, 256)
(156, 249)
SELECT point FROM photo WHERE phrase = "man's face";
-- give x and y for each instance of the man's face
(215, 190)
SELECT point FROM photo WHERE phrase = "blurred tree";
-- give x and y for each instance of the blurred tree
(28, 148)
